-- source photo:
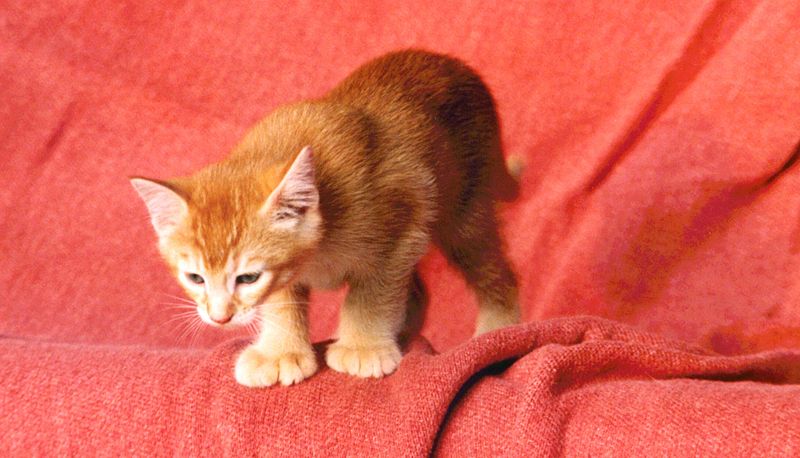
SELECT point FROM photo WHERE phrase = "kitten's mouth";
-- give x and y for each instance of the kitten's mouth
(231, 321)
(237, 319)
(222, 321)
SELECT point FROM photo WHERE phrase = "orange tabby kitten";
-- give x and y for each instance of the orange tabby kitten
(349, 188)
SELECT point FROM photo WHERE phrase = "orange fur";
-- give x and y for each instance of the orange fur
(404, 151)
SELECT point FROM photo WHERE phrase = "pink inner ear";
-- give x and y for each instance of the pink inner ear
(297, 192)
(167, 208)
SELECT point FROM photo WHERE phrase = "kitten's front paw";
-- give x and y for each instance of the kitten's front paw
(255, 369)
(364, 361)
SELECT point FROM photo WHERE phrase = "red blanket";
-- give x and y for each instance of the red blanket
(661, 191)
(579, 386)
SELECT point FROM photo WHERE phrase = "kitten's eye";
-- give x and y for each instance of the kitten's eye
(248, 278)
(194, 278)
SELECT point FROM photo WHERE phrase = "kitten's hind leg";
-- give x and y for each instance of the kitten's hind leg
(476, 249)
(416, 308)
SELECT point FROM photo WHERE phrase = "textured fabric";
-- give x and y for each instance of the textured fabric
(575, 386)
(660, 190)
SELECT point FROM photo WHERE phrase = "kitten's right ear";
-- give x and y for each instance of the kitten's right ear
(296, 195)
(167, 208)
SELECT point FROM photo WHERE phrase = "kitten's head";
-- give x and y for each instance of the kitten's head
(232, 238)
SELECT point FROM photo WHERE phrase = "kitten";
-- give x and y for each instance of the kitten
(349, 188)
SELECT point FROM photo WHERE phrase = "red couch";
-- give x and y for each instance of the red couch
(662, 191)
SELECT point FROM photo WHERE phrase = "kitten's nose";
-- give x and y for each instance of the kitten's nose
(223, 320)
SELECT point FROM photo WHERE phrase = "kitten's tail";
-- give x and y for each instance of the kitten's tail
(507, 178)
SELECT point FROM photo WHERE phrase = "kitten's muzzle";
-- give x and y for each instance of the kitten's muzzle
(221, 320)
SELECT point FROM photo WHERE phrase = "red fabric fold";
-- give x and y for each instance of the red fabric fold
(574, 386)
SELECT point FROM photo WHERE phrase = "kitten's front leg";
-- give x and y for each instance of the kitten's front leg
(282, 353)
(371, 318)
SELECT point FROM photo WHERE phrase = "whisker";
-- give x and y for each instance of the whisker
(189, 313)
(183, 299)
(180, 316)
(187, 302)
(190, 332)
(286, 303)
(180, 306)
(274, 325)
(278, 305)
(198, 326)
(251, 328)
(185, 325)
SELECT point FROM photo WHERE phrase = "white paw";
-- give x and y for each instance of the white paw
(255, 368)
(374, 360)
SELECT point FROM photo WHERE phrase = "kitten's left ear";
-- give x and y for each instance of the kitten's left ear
(296, 194)
(167, 208)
